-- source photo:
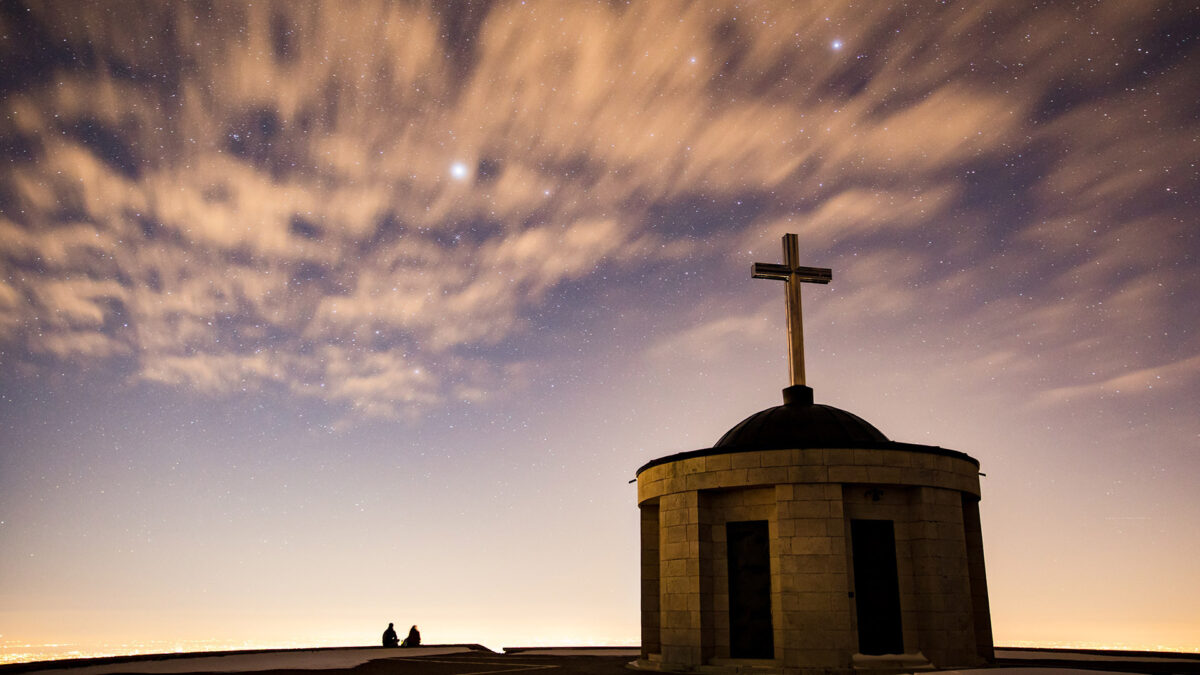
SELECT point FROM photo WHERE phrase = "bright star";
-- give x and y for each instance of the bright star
(836, 44)
(458, 171)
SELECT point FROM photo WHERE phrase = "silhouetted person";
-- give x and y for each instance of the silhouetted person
(413, 639)
(390, 639)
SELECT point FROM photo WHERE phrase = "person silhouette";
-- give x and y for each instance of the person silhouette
(390, 639)
(413, 639)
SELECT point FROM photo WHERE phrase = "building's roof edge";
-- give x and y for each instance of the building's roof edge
(886, 445)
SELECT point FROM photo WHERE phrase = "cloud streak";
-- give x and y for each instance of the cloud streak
(273, 204)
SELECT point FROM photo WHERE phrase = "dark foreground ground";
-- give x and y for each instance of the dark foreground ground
(479, 661)
(1152, 663)
(597, 662)
(476, 663)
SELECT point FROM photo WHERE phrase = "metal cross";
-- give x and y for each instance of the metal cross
(794, 275)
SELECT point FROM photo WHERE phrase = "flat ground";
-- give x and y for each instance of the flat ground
(452, 660)
(1153, 663)
(470, 660)
(476, 663)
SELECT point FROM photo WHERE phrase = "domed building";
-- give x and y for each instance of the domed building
(805, 540)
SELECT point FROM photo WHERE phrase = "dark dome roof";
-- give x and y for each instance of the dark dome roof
(799, 423)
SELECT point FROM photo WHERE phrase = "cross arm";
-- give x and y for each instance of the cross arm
(815, 275)
(770, 271)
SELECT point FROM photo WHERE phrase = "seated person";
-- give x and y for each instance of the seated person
(413, 639)
(390, 639)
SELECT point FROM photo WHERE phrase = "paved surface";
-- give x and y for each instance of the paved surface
(238, 662)
(459, 660)
(480, 664)
(1113, 662)
(365, 661)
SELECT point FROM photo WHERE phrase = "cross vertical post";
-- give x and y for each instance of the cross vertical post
(792, 274)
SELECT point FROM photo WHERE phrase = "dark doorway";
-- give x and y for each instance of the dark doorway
(751, 633)
(876, 587)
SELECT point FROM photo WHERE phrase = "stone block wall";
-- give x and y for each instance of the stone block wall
(979, 594)
(679, 577)
(813, 577)
(941, 577)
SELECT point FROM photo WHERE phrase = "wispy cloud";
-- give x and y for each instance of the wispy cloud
(262, 194)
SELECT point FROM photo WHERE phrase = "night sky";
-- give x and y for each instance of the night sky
(319, 316)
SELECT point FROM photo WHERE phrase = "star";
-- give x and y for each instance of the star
(836, 45)
(459, 171)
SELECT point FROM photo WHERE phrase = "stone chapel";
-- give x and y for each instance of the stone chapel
(806, 541)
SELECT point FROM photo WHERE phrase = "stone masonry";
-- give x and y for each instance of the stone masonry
(809, 498)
